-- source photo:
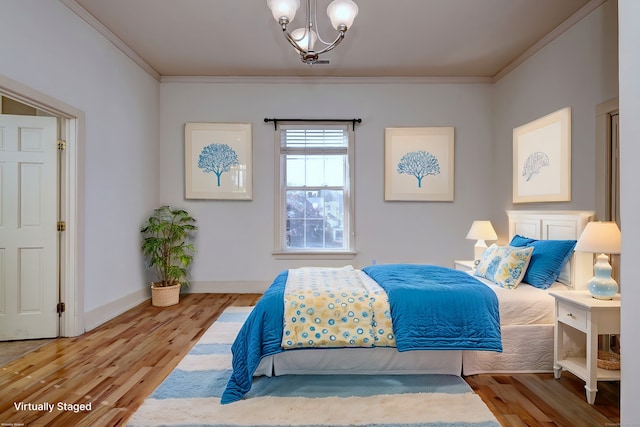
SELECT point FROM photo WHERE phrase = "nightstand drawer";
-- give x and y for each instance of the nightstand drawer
(572, 316)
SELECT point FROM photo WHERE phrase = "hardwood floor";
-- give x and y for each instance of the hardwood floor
(116, 366)
(541, 400)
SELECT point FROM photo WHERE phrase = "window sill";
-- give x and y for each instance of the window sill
(315, 255)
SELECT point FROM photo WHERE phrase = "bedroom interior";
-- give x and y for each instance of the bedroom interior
(151, 111)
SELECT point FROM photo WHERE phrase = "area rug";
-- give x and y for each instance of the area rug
(190, 395)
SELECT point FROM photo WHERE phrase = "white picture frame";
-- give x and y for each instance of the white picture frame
(419, 164)
(218, 161)
(542, 159)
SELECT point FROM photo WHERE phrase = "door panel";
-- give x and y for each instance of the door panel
(28, 233)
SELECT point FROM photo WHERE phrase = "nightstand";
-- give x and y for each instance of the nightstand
(593, 317)
(464, 265)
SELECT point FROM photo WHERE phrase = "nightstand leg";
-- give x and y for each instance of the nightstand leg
(558, 349)
(591, 395)
(591, 385)
(557, 372)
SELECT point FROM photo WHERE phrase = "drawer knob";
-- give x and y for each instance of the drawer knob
(570, 315)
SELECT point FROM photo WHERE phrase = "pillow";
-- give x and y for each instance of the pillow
(519, 241)
(504, 265)
(547, 260)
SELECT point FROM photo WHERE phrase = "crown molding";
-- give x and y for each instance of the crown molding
(106, 33)
(326, 80)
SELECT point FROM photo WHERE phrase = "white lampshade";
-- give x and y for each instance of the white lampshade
(600, 238)
(286, 8)
(342, 12)
(304, 41)
(482, 230)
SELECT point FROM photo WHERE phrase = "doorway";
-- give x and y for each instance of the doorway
(70, 129)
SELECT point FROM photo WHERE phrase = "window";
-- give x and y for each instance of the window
(314, 210)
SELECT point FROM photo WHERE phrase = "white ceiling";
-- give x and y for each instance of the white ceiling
(400, 38)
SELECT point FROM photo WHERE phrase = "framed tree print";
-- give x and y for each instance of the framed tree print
(542, 159)
(218, 161)
(419, 163)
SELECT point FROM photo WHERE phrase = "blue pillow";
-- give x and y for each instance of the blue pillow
(547, 260)
(520, 241)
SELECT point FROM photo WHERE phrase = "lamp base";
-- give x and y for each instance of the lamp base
(602, 285)
(478, 249)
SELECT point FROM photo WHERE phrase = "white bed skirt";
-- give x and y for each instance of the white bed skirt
(365, 361)
(526, 349)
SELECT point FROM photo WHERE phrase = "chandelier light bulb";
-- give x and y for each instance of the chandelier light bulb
(283, 8)
(304, 39)
(342, 12)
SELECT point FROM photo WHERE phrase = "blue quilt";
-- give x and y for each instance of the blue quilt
(437, 308)
(261, 335)
(432, 308)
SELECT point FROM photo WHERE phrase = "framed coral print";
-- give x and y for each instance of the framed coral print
(218, 161)
(542, 159)
(419, 163)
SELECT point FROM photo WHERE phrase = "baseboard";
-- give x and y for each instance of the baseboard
(102, 314)
(227, 287)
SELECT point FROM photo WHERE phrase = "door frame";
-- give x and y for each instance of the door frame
(71, 128)
(602, 157)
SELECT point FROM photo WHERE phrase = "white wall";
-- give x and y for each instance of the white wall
(578, 70)
(44, 46)
(629, 16)
(235, 239)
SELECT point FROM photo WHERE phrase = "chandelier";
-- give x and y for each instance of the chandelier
(341, 14)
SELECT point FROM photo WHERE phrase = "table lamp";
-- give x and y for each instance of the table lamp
(481, 231)
(601, 238)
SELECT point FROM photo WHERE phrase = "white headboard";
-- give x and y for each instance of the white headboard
(557, 225)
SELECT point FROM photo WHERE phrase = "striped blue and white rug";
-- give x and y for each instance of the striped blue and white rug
(190, 395)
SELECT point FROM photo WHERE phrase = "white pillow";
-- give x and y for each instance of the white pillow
(504, 265)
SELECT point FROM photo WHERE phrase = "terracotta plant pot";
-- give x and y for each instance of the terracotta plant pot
(164, 296)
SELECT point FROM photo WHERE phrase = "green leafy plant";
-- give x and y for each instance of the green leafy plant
(166, 244)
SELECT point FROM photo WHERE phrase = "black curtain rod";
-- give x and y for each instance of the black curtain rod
(275, 121)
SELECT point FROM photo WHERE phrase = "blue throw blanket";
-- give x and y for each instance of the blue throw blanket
(432, 307)
(437, 308)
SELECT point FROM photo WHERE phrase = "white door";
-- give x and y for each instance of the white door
(28, 227)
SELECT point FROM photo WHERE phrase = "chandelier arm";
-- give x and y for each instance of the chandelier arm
(329, 47)
(315, 19)
(293, 43)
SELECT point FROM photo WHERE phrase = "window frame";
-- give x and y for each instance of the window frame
(280, 250)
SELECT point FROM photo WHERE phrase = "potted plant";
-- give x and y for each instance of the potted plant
(167, 250)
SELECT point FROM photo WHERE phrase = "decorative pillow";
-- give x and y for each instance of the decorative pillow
(504, 265)
(547, 260)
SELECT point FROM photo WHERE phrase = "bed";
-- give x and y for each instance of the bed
(527, 337)
(525, 324)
